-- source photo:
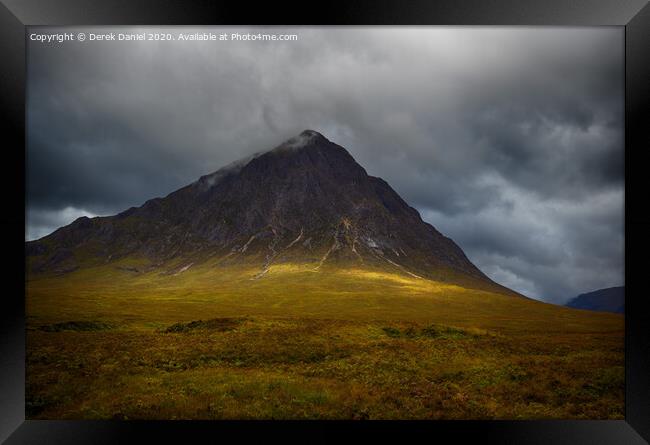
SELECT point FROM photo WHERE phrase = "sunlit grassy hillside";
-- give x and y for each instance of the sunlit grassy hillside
(115, 293)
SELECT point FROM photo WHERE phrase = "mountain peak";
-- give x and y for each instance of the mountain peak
(296, 144)
(305, 202)
(304, 139)
(311, 133)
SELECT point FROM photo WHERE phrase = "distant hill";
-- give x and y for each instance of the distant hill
(604, 300)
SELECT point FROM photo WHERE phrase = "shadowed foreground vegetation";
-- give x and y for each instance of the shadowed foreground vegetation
(292, 368)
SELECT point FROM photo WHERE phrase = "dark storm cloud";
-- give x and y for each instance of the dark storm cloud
(508, 140)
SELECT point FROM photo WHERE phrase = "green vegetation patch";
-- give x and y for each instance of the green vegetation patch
(215, 324)
(77, 326)
(392, 332)
(431, 331)
(437, 331)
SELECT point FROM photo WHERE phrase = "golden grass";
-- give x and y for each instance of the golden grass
(303, 344)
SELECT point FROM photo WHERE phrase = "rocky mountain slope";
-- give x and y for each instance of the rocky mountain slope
(306, 201)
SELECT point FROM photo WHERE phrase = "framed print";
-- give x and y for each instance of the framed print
(375, 220)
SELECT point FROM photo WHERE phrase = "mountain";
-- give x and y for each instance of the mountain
(307, 201)
(611, 299)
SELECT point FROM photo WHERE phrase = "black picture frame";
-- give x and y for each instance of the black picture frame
(634, 15)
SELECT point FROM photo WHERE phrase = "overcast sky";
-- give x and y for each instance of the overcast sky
(507, 140)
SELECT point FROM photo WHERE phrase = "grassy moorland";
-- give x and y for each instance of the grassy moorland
(210, 343)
